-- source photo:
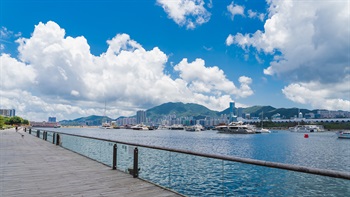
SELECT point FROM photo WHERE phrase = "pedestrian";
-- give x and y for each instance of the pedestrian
(16, 128)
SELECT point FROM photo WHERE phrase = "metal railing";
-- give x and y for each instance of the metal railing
(192, 173)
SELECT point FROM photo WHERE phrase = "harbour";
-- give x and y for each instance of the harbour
(200, 176)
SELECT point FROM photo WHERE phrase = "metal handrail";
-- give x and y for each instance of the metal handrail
(297, 168)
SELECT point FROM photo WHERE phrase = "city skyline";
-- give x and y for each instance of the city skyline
(66, 59)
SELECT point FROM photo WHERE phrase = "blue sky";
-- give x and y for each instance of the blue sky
(67, 58)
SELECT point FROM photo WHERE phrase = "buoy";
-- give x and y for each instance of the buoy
(306, 135)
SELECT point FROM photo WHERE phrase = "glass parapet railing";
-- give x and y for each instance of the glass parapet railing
(197, 174)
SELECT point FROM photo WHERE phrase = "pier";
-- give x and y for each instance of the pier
(30, 166)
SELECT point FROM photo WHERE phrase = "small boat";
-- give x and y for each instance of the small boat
(163, 127)
(139, 127)
(195, 128)
(306, 128)
(236, 128)
(105, 125)
(343, 134)
(177, 127)
(262, 130)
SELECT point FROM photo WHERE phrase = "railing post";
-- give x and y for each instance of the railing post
(136, 160)
(53, 138)
(25, 129)
(58, 139)
(30, 131)
(114, 166)
(44, 135)
(38, 133)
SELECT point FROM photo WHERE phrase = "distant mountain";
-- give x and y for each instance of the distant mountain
(196, 111)
(90, 120)
(180, 109)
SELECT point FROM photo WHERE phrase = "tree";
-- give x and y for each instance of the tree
(25, 122)
(15, 120)
(2, 122)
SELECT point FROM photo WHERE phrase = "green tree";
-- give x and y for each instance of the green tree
(2, 122)
(15, 120)
(25, 122)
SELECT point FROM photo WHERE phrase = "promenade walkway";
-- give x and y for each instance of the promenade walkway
(30, 166)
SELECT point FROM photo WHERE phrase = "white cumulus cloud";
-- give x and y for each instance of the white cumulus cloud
(310, 45)
(320, 96)
(189, 13)
(235, 9)
(56, 75)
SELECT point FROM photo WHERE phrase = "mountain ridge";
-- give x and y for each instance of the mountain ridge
(197, 111)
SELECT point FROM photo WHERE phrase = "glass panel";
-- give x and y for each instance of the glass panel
(250, 180)
(155, 166)
(49, 136)
(125, 157)
(195, 175)
(95, 149)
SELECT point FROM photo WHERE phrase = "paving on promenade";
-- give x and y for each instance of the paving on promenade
(30, 166)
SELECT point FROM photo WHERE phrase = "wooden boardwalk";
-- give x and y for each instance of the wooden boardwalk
(30, 166)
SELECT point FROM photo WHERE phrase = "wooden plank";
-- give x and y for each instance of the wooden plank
(30, 166)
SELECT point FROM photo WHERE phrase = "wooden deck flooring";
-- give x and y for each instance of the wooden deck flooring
(30, 166)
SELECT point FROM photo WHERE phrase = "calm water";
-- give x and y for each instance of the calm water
(199, 176)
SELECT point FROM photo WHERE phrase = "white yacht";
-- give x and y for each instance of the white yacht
(139, 127)
(163, 127)
(306, 128)
(177, 127)
(106, 125)
(343, 134)
(262, 130)
(195, 128)
(236, 128)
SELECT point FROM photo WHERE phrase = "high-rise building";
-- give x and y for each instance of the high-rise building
(140, 116)
(52, 119)
(232, 111)
(8, 112)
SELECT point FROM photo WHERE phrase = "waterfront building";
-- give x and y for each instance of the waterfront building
(52, 119)
(232, 109)
(126, 121)
(300, 115)
(276, 116)
(44, 124)
(140, 116)
(8, 112)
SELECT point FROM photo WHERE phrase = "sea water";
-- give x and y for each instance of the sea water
(198, 176)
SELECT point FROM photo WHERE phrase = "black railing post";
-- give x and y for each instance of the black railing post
(136, 160)
(30, 131)
(44, 135)
(53, 138)
(25, 129)
(58, 139)
(38, 133)
(114, 167)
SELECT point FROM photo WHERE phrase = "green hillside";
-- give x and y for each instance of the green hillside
(179, 109)
(197, 111)
(90, 120)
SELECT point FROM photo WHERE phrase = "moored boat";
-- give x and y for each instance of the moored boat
(306, 128)
(140, 127)
(195, 128)
(343, 134)
(236, 128)
(262, 130)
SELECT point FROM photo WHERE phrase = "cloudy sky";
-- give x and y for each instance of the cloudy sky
(70, 58)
